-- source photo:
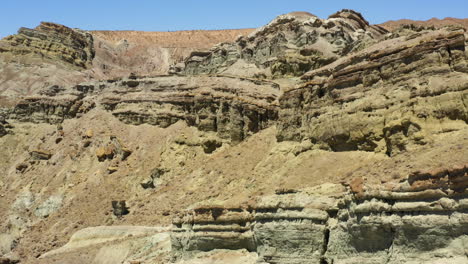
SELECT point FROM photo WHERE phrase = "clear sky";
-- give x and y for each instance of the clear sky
(167, 15)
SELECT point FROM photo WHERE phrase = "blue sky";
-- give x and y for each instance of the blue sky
(155, 15)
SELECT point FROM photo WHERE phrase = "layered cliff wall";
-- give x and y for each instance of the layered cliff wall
(232, 107)
(421, 220)
(51, 41)
(384, 98)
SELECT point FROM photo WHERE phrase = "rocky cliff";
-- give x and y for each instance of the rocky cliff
(420, 220)
(120, 53)
(290, 45)
(385, 98)
(307, 141)
(50, 41)
(431, 23)
(233, 107)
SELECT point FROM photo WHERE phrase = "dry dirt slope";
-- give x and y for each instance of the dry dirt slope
(435, 22)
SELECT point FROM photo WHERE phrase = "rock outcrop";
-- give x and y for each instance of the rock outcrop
(233, 107)
(290, 45)
(424, 217)
(120, 53)
(433, 22)
(51, 41)
(53, 110)
(383, 98)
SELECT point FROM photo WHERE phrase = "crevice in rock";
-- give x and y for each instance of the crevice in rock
(326, 239)
(450, 58)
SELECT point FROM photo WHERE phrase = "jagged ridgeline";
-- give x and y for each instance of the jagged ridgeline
(290, 45)
(52, 42)
(307, 140)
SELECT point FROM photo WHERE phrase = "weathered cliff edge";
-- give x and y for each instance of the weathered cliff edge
(389, 97)
(230, 106)
(383, 98)
(423, 219)
(290, 45)
(52, 42)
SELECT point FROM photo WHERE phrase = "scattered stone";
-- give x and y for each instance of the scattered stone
(120, 208)
(125, 153)
(120, 149)
(106, 152)
(166, 212)
(40, 154)
(112, 169)
(3, 131)
(87, 143)
(210, 145)
(155, 175)
(21, 167)
(7, 260)
(148, 184)
(89, 133)
(49, 206)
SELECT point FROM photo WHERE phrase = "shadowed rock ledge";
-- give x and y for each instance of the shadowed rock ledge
(231, 106)
(421, 220)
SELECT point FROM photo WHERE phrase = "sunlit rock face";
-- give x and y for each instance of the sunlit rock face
(421, 220)
(386, 98)
(51, 41)
(290, 45)
(305, 141)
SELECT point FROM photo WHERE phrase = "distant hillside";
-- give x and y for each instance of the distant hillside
(393, 24)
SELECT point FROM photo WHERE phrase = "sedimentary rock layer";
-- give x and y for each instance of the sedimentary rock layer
(383, 98)
(232, 107)
(51, 41)
(426, 221)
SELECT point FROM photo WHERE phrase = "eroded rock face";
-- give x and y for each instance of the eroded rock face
(290, 45)
(52, 41)
(232, 107)
(365, 224)
(48, 109)
(384, 98)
